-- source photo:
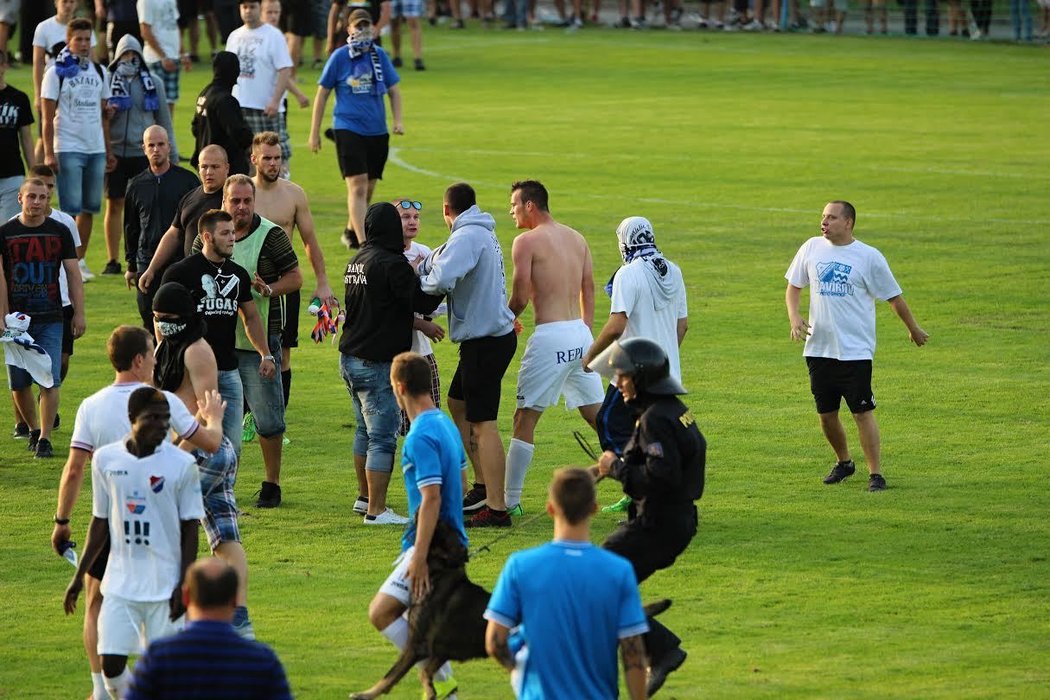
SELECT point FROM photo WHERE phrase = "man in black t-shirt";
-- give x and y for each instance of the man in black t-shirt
(16, 142)
(177, 241)
(33, 247)
(223, 291)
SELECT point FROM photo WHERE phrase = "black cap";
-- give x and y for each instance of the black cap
(174, 298)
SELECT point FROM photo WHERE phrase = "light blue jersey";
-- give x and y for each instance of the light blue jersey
(575, 601)
(433, 454)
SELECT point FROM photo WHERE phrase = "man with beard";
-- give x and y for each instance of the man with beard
(222, 289)
(177, 241)
(266, 253)
(284, 203)
(218, 119)
(149, 205)
(186, 365)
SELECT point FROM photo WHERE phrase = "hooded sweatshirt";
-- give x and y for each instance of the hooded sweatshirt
(382, 291)
(218, 119)
(469, 269)
(126, 127)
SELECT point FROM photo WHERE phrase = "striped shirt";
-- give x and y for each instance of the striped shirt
(208, 660)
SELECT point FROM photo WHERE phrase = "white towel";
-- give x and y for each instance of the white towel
(21, 351)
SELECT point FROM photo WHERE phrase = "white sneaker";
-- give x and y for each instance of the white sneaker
(387, 517)
(85, 273)
(754, 26)
(360, 506)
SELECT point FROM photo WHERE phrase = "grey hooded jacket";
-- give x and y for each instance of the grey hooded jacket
(126, 128)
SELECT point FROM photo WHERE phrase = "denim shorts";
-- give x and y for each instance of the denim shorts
(218, 473)
(49, 337)
(375, 409)
(232, 393)
(265, 397)
(79, 181)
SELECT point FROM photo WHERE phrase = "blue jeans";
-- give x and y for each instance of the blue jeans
(233, 394)
(49, 337)
(80, 178)
(1021, 15)
(375, 408)
(265, 397)
(9, 205)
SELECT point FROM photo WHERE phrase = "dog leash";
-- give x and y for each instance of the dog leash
(591, 453)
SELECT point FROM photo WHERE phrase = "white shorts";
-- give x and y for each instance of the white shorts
(551, 367)
(126, 627)
(398, 585)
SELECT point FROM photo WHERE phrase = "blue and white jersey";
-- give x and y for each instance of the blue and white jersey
(433, 455)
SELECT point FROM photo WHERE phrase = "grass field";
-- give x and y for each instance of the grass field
(731, 145)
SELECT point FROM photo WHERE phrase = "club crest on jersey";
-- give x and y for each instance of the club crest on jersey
(834, 279)
(156, 483)
(136, 504)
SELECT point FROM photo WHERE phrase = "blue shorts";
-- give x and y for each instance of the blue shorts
(171, 80)
(218, 473)
(79, 181)
(47, 335)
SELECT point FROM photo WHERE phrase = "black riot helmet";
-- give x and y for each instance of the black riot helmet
(646, 363)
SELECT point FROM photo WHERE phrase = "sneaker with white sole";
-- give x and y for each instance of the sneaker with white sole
(361, 505)
(85, 274)
(387, 517)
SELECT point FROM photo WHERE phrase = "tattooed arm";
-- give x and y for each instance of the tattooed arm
(496, 645)
(632, 653)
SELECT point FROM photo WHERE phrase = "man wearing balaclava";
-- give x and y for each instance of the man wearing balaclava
(218, 119)
(648, 301)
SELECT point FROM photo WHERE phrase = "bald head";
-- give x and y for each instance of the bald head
(213, 166)
(210, 589)
(214, 152)
(157, 147)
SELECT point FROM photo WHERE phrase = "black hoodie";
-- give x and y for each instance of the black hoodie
(218, 119)
(382, 291)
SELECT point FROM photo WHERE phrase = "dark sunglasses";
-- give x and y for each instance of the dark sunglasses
(406, 204)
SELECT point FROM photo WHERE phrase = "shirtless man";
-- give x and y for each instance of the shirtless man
(552, 268)
(284, 203)
(186, 366)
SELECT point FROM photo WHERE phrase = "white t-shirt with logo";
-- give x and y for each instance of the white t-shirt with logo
(262, 52)
(845, 281)
(420, 342)
(632, 295)
(162, 16)
(145, 500)
(78, 117)
(103, 417)
(50, 32)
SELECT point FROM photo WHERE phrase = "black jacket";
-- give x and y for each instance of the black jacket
(663, 464)
(382, 291)
(149, 207)
(218, 119)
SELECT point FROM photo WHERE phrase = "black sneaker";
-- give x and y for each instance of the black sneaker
(58, 421)
(419, 64)
(112, 268)
(350, 240)
(457, 24)
(486, 517)
(269, 496)
(21, 431)
(474, 499)
(840, 472)
(662, 668)
(34, 438)
(876, 483)
(44, 449)
(397, 62)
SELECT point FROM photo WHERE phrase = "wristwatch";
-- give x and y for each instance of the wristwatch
(268, 357)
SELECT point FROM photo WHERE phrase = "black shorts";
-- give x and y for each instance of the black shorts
(115, 31)
(361, 154)
(831, 380)
(479, 375)
(297, 17)
(290, 329)
(67, 330)
(127, 168)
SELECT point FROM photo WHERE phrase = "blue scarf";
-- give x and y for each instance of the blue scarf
(378, 84)
(120, 88)
(68, 64)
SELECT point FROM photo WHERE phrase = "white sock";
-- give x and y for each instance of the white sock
(397, 633)
(116, 686)
(519, 457)
(98, 687)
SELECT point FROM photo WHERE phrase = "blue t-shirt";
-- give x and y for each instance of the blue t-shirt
(572, 629)
(433, 454)
(358, 97)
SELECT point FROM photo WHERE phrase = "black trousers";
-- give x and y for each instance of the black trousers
(650, 545)
(911, 17)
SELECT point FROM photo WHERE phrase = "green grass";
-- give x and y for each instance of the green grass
(731, 145)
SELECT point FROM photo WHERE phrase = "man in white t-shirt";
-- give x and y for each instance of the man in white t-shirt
(100, 420)
(146, 501)
(162, 43)
(266, 69)
(648, 301)
(845, 277)
(75, 117)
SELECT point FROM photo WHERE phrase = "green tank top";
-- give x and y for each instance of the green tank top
(246, 253)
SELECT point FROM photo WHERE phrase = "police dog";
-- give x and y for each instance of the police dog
(449, 624)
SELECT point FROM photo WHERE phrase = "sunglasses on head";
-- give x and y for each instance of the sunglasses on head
(408, 204)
